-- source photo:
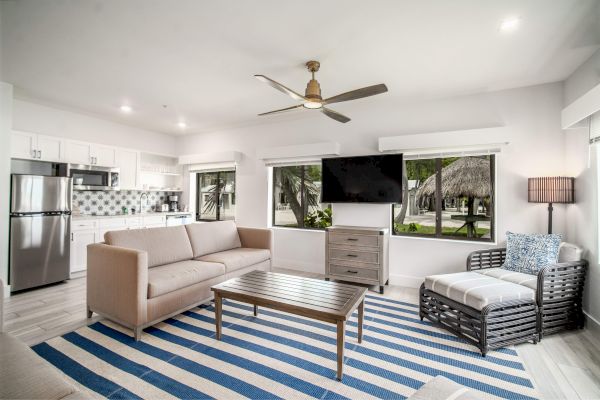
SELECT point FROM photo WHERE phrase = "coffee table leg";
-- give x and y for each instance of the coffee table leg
(255, 310)
(361, 316)
(218, 314)
(341, 333)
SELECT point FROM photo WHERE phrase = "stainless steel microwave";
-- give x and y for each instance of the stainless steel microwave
(91, 177)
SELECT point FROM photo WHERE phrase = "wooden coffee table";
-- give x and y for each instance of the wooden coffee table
(313, 298)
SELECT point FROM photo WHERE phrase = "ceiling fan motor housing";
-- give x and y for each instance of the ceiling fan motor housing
(313, 90)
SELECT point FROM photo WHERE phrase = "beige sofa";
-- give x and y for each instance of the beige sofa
(24, 374)
(140, 277)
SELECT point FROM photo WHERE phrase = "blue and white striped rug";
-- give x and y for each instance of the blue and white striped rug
(278, 355)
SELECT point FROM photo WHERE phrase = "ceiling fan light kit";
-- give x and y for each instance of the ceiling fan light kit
(312, 98)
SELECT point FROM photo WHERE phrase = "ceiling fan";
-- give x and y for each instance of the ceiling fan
(312, 98)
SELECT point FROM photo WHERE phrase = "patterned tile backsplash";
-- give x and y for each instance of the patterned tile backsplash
(90, 202)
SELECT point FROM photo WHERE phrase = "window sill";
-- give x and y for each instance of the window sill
(283, 228)
(438, 239)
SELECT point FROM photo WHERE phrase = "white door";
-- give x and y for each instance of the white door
(78, 152)
(127, 161)
(50, 148)
(22, 145)
(104, 156)
(79, 243)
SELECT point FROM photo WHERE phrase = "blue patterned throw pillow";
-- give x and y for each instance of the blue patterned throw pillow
(528, 253)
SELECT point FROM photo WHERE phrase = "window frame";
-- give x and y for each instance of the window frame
(302, 197)
(438, 207)
(218, 189)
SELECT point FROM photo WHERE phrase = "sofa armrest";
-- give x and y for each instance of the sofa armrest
(564, 280)
(256, 238)
(483, 259)
(117, 283)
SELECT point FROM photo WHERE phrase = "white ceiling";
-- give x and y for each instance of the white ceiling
(197, 57)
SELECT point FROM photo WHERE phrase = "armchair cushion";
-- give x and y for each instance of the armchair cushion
(528, 253)
(519, 278)
(476, 290)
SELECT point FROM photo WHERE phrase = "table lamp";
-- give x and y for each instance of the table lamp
(554, 189)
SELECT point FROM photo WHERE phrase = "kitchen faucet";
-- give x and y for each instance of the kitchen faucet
(143, 196)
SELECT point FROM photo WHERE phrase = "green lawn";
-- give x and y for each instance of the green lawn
(430, 230)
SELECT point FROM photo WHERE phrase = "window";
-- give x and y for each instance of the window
(216, 196)
(450, 197)
(296, 198)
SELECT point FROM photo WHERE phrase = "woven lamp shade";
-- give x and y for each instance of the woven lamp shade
(555, 189)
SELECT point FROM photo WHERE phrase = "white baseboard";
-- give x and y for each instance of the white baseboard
(592, 323)
(406, 280)
(6, 291)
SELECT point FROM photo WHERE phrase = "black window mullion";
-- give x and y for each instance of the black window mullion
(302, 196)
(438, 197)
(217, 197)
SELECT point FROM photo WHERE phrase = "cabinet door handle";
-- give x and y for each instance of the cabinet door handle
(33, 153)
(352, 239)
(352, 272)
(39, 154)
(351, 255)
(71, 236)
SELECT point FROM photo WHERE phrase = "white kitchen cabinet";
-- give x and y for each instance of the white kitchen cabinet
(31, 146)
(50, 148)
(79, 242)
(22, 145)
(128, 163)
(78, 152)
(103, 156)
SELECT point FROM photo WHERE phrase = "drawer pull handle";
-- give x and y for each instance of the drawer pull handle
(352, 272)
(352, 239)
(351, 255)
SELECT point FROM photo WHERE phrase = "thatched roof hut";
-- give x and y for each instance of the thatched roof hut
(465, 177)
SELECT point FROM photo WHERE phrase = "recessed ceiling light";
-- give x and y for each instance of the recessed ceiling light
(509, 24)
(125, 108)
(182, 124)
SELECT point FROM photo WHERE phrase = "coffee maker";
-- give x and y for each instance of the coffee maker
(173, 203)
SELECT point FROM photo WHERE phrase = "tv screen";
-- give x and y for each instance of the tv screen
(367, 179)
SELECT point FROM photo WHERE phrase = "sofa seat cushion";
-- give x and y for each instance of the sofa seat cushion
(212, 237)
(477, 290)
(519, 278)
(171, 277)
(25, 375)
(238, 258)
(163, 245)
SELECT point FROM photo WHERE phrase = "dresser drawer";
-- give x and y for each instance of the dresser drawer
(354, 240)
(353, 255)
(361, 273)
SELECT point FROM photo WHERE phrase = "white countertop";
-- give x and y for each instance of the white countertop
(149, 214)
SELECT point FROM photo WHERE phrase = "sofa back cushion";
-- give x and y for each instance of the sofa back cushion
(528, 253)
(212, 237)
(163, 245)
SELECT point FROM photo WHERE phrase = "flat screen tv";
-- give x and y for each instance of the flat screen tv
(366, 179)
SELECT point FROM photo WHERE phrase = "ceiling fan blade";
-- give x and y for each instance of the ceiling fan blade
(282, 110)
(335, 115)
(357, 94)
(280, 87)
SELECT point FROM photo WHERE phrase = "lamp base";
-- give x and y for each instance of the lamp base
(550, 209)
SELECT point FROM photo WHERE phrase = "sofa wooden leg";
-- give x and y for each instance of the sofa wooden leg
(89, 312)
(137, 334)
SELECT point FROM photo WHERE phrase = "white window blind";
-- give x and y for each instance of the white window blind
(458, 152)
(288, 162)
(212, 167)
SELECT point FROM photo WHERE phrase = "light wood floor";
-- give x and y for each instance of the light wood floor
(563, 366)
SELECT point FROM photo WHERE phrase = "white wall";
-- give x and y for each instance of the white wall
(6, 100)
(37, 118)
(532, 120)
(583, 79)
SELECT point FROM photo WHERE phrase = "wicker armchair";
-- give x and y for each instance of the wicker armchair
(559, 290)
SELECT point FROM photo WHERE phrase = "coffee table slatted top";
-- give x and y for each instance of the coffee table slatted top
(328, 301)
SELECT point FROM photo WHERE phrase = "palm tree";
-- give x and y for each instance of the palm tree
(295, 182)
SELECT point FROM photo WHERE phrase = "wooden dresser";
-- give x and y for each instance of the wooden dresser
(357, 254)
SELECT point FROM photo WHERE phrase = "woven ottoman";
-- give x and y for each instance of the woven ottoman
(486, 311)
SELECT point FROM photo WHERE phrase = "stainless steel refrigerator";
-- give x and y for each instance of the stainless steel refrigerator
(40, 229)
